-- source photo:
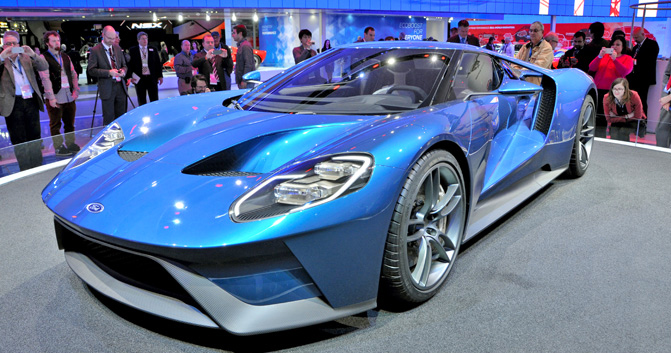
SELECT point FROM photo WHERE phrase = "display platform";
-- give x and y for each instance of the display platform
(581, 267)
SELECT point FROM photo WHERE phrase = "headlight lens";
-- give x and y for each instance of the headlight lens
(112, 135)
(322, 181)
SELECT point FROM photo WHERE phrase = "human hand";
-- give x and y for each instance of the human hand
(209, 54)
(666, 106)
(28, 51)
(160, 80)
(602, 53)
(6, 53)
(224, 53)
(664, 100)
(613, 55)
(75, 95)
(115, 73)
(53, 103)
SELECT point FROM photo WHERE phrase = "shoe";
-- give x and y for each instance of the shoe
(63, 151)
(73, 147)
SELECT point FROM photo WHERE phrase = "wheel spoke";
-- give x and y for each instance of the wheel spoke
(451, 190)
(435, 244)
(423, 267)
(415, 236)
(428, 197)
(449, 244)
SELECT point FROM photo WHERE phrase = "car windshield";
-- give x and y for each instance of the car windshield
(354, 81)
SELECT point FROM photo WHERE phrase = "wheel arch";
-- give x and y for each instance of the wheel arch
(455, 150)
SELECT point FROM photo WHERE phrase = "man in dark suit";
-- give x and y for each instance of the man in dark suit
(645, 66)
(20, 98)
(145, 69)
(211, 65)
(108, 64)
(228, 59)
(76, 59)
(463, 36)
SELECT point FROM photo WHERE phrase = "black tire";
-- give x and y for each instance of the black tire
(424, 222)
(584, 138)
(257, 62)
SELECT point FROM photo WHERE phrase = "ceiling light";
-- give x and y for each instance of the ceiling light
(233, 18)
(256, 17)
(180, 18)
(207, 17)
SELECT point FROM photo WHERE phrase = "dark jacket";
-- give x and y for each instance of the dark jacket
(204, 67)
(55, 71)
(244, 60)
(581, 55)
(153, 61)
(301, 54)
(472, 40)
(99, 66)
(645, 63)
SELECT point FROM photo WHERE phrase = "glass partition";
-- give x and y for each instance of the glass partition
(39, 152)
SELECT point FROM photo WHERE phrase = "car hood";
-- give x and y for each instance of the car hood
(152, 200)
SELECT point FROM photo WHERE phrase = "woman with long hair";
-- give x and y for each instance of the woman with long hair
(623, 109)
(327, 46)
(609, 65)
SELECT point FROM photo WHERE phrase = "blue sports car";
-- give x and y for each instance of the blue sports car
(346, 181)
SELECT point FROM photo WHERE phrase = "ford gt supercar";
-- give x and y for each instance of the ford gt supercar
(346, 181)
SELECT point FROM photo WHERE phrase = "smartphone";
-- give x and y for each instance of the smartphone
(218, 51)
(17, 50)
(608, 50)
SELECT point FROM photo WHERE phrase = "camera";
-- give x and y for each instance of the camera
(17, 50)
(608, 50)
(217, 51)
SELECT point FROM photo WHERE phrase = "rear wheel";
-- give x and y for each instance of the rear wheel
(257, 62)
(426, 231)
(582, 146)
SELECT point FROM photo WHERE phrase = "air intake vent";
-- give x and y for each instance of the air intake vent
(547, 106)
(131, 156)
(230, 174)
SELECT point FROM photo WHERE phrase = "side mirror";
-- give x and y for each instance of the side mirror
(519, 87)
(530, 73)
(252, 78)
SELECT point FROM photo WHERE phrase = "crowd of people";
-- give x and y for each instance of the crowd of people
(31, 81)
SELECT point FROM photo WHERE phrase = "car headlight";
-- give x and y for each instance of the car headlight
(112, 135)
(304, 186)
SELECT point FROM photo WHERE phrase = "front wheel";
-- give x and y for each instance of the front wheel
(426, 231)
(257, 62)
(582, 145)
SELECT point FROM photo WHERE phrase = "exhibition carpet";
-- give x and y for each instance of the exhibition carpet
(582, 267)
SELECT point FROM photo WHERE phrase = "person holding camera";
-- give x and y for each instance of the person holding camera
(108, 63)
(609, 65)
(183, 68)
(20, 98)
(304, 51)
(145, 69)
(210, 63)
(576, 57)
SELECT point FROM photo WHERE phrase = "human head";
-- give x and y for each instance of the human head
(239, 33)
(199, 84)
(596, 30)
(369, 34)
(462, 28)
(620, 89)
(194, 45)
(186, 46)
(208, 42)
(217, 38)
(327, 44)
(491, 40)
(639, 34)
(618, 33)
(142, 39)
(553, 39)
(117, 40)
(401, 36)
(453, 31)
(305, 36)
(507, 39)
(109, 35)
(618, 44)
(52, 40)
(579, 40)
(388, 38)
(536, 31)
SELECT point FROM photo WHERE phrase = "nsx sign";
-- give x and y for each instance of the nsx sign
(148, 25)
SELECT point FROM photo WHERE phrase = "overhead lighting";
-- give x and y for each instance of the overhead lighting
(233, 18)
(207, 17)
(153, 17)
(256, 17)
(180, 18)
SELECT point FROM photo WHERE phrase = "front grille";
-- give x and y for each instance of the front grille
(131, 156)
(135, 270)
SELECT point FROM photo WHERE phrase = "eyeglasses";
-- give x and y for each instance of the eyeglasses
(9, 44)
(618, 89)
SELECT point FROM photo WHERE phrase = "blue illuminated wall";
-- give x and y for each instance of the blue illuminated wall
(343, 29)
(424, 7)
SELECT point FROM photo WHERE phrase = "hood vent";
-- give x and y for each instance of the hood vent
(131, 156)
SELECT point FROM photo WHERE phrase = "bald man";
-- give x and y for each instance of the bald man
(108, 63)
(644, 74)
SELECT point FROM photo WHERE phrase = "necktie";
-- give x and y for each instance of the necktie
(668, 86)
(112, 59)
(214, 69)
(145, 69)
(463, 40)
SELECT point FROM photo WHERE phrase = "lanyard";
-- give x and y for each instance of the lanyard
(18, 68)
(60, 57)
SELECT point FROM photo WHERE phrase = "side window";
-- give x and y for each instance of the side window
(477, 73)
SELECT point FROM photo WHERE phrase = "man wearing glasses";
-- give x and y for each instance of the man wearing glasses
(576, 57)
(21, 98)
(108, 63)
(538, 51)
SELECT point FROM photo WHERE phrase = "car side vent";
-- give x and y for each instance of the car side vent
(547, 105)
(131, 156)
(230, 174)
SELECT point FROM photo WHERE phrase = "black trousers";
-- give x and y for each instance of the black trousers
(23, 125)
(65, 113)
(115, 105)
(144, 86)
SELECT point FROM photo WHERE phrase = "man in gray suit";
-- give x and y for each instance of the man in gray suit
(20, 98)
(663, 130)
(108, 63)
